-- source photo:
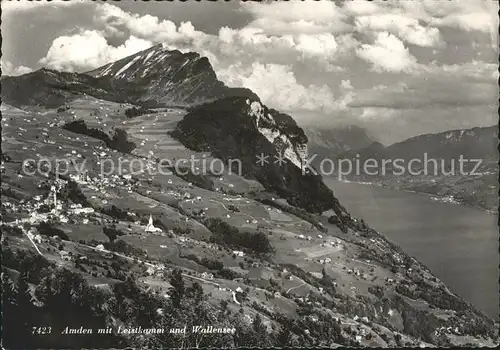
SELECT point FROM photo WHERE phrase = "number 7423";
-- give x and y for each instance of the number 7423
(41, 330)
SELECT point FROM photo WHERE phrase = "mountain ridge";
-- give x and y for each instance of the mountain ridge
(157, 70)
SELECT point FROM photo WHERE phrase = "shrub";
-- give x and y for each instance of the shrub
(226, 234)
(46, 229)
(135, 112)
(72, 192)
(117, 213)
(112, 232)
(119, 141)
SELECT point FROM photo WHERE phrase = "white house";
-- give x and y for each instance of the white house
(238, 253)
(65, 255)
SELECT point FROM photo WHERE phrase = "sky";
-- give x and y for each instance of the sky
(398, 69)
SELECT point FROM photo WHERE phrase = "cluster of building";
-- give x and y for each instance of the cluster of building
(325, 261)
(447, 330)
(207, 276)
(59, 210)
(356, 272)
(185, 239)
(336, 243)
(157, 269)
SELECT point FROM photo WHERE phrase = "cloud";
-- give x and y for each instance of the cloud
(146, 27)
(394, 125)
(388, 54)
(320, 51)
(319, 45)
(10, 7)
(475, 71)
(278, 87)
(404, 27)
(465, 15)
(325, 61)
(360, 8)
(9, 69)
(294, 16)
(468, 84)
(424, 93)
(88, 50)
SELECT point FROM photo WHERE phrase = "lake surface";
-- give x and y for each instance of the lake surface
(458, 243)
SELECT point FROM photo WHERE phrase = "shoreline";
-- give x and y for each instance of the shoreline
(432, 196)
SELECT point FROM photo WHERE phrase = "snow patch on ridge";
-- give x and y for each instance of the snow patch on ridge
(106, 71)
(125, 67)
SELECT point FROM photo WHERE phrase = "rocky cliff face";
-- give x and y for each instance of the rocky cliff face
(243, 128)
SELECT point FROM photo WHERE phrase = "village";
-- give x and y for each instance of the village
(156, 224)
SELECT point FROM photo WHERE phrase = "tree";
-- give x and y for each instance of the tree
(258, 326)
(283, 337)
(10, 324)
(178, 289)
(24, 298)
(18, 312)
(196, 292)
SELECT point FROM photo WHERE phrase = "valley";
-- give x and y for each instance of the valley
(271, 252)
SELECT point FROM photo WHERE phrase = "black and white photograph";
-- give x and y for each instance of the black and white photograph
(238, 174)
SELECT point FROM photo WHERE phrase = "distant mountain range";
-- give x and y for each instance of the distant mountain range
(479, 142)
(443, 152)
(332, 141)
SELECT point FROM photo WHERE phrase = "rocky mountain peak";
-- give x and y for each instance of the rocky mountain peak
(154, 61)
(167, 77)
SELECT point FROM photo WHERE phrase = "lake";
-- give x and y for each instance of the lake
(458, 243)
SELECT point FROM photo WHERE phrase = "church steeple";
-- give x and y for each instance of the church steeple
(150, 227)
